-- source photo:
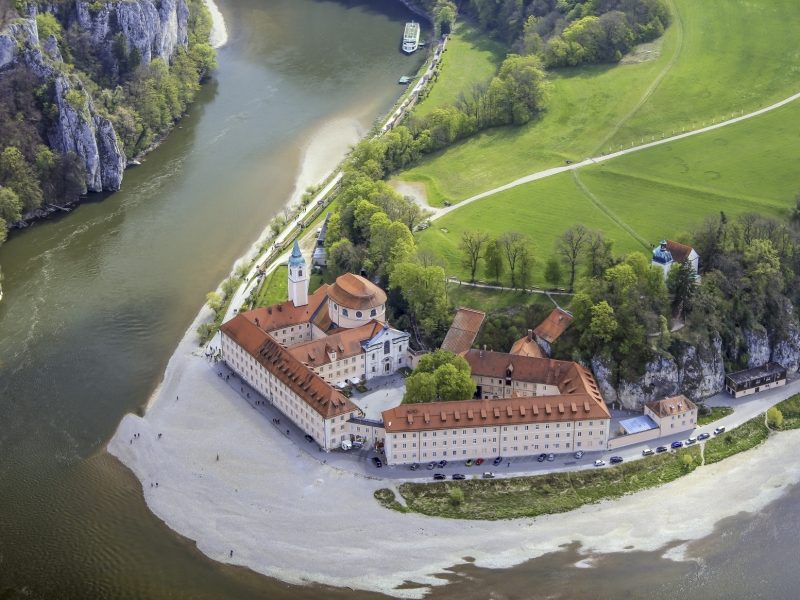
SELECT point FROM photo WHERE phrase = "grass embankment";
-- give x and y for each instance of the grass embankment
(274, 288)
(490, 499)
(470, 57)
(790, 409)
(387, 499)
(656, 193)
(748, 435)
(722, 44)
(717, 412)
(489, 300)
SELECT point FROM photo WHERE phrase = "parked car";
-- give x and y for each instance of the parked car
(458, 476)
(377, 461)
(431, 466)
(488, 475)
(579, 454)
(677, 444)
(719, 430)
(703, 436)
(309, 438)
(442, 464)
(542, 457)
(497, 460)
(647, 452)
(469, 462)
(551, 457)
(414, 466)
(616, 460)
(599, 463)
(478, 461)
(662, 449)
(691, 440)
(439, 476)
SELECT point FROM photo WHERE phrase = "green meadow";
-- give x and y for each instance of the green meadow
(638, 199)
(719, 57)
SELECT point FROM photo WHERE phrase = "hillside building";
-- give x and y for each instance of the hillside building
(668, 253)
(757, 379)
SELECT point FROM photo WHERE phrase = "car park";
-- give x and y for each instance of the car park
(498, 460)
(442, 464)
(459, 476)
(676, 444)
(690, 440)
(616, 460)
(414, 466)
(599, 463)
(439, 476)
(542, 457)
(377, 461)
(647, 452)
(488, 475)
(579, 454)
(703, 436)
(469, 462)
(662, 449)
(551, 457)
(719, 430)
(478, 461)
(431, 465)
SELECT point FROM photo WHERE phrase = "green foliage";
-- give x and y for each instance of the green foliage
(48, 25)
(456, 496)
(19, 176)
(552, 272)
(425, 296)
(790, 409)
(10, 207)
(493, 260)
(746, 436)
(440, 375)
(706, 415)
(775, 418)
(387, 499)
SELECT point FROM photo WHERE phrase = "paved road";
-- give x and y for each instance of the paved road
(440, 212)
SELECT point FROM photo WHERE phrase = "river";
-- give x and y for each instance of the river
(96, 302)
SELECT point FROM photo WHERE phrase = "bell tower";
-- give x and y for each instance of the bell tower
(298, 277)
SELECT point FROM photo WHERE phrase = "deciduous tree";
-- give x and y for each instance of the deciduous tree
(472, 243)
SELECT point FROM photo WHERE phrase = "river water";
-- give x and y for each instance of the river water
(96, 302)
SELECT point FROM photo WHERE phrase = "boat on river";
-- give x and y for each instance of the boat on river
(411, 37)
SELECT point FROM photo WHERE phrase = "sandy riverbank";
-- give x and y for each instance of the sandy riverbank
(289, 516)
(219, 32)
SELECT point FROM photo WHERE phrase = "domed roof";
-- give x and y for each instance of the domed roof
(353, 291)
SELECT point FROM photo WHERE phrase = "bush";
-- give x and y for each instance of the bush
(456, 495)
(775, 418)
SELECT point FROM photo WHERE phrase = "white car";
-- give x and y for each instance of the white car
(488, 475)
(599, 463)
(691, 440)
(579, 454)
(647, 452)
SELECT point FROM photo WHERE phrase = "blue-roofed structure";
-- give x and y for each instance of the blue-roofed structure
(296, 259)
(661, 254)
(638, 425)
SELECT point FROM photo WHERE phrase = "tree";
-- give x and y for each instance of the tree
(471, 244)
(424, 291)
(420, 387)
(552, 272)
(17, 174)
(512, 244)
(10, 206)
(687, 460)
(603, 325)
(453, 383)
(681, 286)
(774, 417)
(525, 267)
(456, 495)
(343, 257)
(214, 300)
(598, 255)
(493, 260)
(571, 246)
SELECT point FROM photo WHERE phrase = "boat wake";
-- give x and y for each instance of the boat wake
(219, 33)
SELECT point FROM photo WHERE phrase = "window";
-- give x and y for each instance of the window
(387, 347)
(344, 312)
(300, 272)
(359, 314)
(373, 312)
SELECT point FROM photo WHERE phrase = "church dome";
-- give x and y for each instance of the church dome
(356, 292)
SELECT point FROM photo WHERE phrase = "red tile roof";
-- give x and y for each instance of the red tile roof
(345, 343)
(554, 325)
(479, 413)
(674, 405)
(680, 252)
(527, 347)
(309, 386)
(462, 333)
(356, 292)
(286, 314)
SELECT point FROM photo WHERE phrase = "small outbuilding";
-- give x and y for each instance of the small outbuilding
(757, 379)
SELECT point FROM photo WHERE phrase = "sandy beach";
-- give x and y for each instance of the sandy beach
(288, 516)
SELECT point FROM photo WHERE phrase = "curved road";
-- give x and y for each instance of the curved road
(440, 212)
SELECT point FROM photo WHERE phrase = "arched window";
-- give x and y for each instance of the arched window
(373, 312)
(387, 347)
(300, 273)
(344, 312)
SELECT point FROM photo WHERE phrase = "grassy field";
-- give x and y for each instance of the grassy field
(491, 499)
(470, 58)
(717, 412)
(746, 436)
(707, 54)
(656, 193)
(790, 408)
(492, 300)
(274, 288)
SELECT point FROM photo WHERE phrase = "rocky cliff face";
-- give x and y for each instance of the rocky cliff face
(697, 372)
(154, 28)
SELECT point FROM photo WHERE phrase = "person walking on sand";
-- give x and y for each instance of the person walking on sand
(217, 457)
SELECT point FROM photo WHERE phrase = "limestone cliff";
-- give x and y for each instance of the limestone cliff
(119, 34)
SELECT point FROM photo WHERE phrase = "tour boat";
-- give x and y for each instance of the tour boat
(411, 37)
